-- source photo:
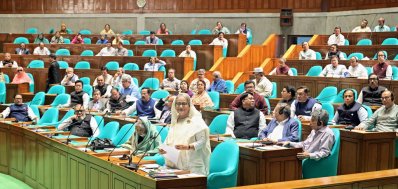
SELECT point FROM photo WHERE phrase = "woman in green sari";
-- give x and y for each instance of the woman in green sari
(143, 138)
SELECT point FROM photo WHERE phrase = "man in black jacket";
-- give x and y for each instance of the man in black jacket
(53, 72)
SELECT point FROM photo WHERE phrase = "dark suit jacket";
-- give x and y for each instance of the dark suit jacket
(25, 51)
(53, 73)
(290, 130)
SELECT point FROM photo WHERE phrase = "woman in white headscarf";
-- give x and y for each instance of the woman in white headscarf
(143, 137)
(189, 134)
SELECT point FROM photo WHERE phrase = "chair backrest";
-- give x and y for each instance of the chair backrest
(6, 78)
(35, 110)
(131, 67)
(130, 53)
(112, 65)
(318, 56)
(135, 80)
(66, 41)
(356, 54)
(159, 94)
(20, 40)
(163, 69)
(344, 55)
(139, 42)
(160, 42)
(240, 89)
(2, 92)
(85, 80)
(61, 99)
(204, 32)
(219, 124)
(329, 108)
(327, 94)
(32, 31)
(100, 122)
(32, 84)
(195, 42)
(326, 166)
(369, 70)
(36, 64)
(369, 110)
(294, 71)
(268, 105)
(193, 32)
(364, 42)
(314, 71)
(63, 64)
(215, 97)
(177, 42)
(69, 31)
(49, 117)
(124, 134)
(223, 170)
(152, 83)
(87, 52)
(56, 89)
(168, 53)
(85, 32)
(68, 114)
(88, 89)
(163, 134)
(62, 52)
(394, 73)
(346, 42)
(126, 42)
(150, 53)
(109, 131)
(396, 57)
(38, 99)
(82, 65)
(230, 86)
(127, 32)
(340, 99)
(300, 127)
(274, 90)
(144, 32)
(390, 41)
(87, 40)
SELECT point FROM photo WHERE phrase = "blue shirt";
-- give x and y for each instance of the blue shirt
(218, 85)
(100, 41)
(132, 91)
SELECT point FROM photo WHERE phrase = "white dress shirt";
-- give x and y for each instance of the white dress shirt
(39, 51)
(223, 42)
(277, 133)
(330, 71)
(359, 29)
(154, 67)
(263, 87)
(358, 71)
(31, 115)
(190, 54)
(14, 64)
(339, 40)
(307, 55)
(107, 52)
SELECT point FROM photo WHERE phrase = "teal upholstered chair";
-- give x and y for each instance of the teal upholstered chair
(240, 89)
(50, 117)
(330, 109)
(346, 42)
(368, 109)
(38, 99)
(219, 124)
(124, 134)
(20, 40)
(32, 31)
(369, 70)
(127, 32)
(2, 93)
(87, 53)
(300, 129)
(62, 52)
(318, 56)
(326, 166)
(56, 89)
(356, 54)
(100, 122)
(390, 41)
(215, 97)
(195, 42)
(294, 71)
(61, 99)
(66, 41)
(112, 65)
(340, 99)
(150, 53)
(230, 86)
(168, 53)
(144, 32)
(223, 171)
(109, 131)
(204, 32)
(68, 114)
(314, 71)
(35, 110)
(130, 52)
(159, 94)
(274, 90)
(82, 65)
(268, 105)
(85, 80)
(364, 42)
(85, 32)
(36, 64)
(131, 67)
(6, 78)
(139, 42)
(152, 83)
(327, 94)
(394, 73)
(63, 64)
(177, 42)
(89, 90)
(126, 42)
(87, 40)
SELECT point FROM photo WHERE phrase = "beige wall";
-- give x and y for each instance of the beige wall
(262, 24)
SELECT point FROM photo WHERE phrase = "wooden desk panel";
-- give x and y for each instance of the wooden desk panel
(256, 166)
(366, 151)
(13, 89)
(368, 51)
(376, 37)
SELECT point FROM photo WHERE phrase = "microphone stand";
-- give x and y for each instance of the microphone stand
(135, 166)
(67, 138)
(120, 140)
(88, 142)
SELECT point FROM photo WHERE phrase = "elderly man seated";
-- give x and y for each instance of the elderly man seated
(80, 124)
(19, 111)
(70, 78)
(8, 62)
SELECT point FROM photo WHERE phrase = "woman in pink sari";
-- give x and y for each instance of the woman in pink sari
(21, 77)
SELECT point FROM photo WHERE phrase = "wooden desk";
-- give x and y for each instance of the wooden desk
(13, 89)
(362, 151)
(375, 179)
(266, 166)
(209, 115)
(43, 162)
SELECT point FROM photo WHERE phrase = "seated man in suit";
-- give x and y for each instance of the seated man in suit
(259, 101)
(117, 102)
(304, 105)
(102, 87)
(22, 49)
(319, 143)
(247, 120)
(282, 127)
(96, 104)
(165, 107)
(19, 111)
(384, 119)
(80, 124)
(144, 106)
(371, 95)
(351, 112)
(78, 96)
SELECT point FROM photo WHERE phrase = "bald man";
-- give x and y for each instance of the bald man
(218, 83)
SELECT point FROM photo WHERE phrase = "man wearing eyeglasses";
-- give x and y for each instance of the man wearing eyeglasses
(371, 95)
(201, 76)
(19, 111)
(80, 124)
(385, 119)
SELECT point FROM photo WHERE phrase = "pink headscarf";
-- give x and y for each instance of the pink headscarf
(21, 77)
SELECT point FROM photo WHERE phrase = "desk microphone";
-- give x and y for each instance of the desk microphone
(120, 140)
(67, 138)
(88, 142)
(349, 127)
(135, 166)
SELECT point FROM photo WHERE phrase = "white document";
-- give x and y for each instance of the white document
(171, 154)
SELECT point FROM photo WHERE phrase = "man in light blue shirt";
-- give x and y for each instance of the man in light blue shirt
(218, 83)
(381, 27)
(154, 64)
(128, 89)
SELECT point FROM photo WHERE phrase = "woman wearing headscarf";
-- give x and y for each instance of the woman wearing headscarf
(63, 29)
(40, 39)
(143, 138)
(78, 39)
(188, 133)
(21, 77)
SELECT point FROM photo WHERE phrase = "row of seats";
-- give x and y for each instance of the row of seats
(314, 71)
(362, 42)
(359, 55)
(34, 30)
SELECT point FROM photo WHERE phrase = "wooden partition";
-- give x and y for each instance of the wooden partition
(40, 75)
(376, 37)
(207, 55)
(236, 42)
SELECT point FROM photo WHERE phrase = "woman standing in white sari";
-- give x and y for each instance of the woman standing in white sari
(189, 134)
